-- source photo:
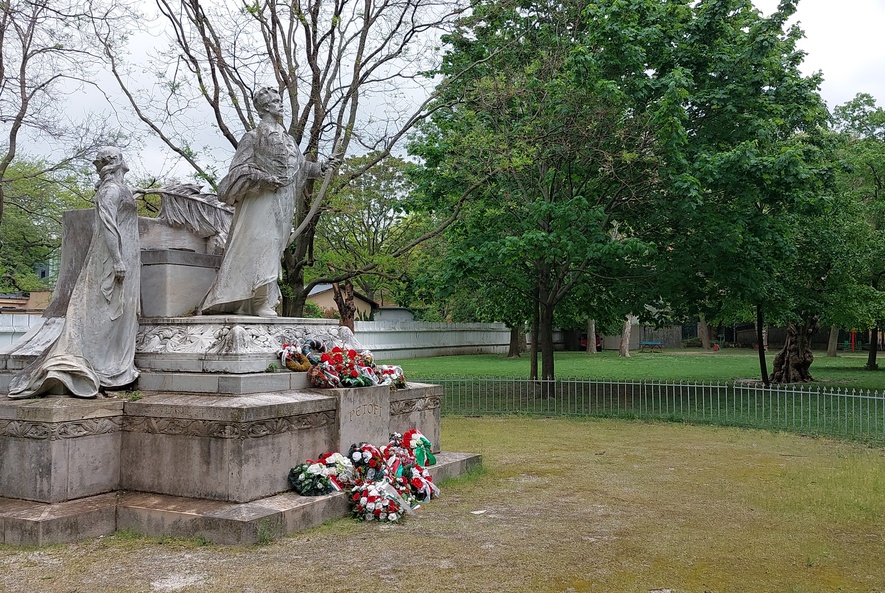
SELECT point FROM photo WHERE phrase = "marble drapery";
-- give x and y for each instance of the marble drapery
(96, 346)
(266, 177)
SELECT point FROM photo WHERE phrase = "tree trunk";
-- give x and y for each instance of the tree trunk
(761, 340)
(546, 335)
(704, 333)
(344, 300)
(791, 365)
(533, 369)
(591, 336)
(513, 351)
(833, 342)
(872, 365)
(624, 348)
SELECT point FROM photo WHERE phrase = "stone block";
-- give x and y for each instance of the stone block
(257, 383)
(177, 363)
(363, 415)
(417, 407)
(227, 523)
(58, 449)
(222, 448)
(24, 523)
(239, 363)
(174, 282)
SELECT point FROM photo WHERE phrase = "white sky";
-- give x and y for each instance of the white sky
(844, 39)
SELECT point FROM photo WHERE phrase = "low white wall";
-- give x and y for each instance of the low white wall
(418, 339)
(15, 325)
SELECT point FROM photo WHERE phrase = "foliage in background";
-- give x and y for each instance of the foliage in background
(31, 230)
(861, 184)
(562, 163)
(366, 231)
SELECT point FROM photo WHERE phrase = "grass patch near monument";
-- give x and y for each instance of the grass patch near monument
(845, 371)
(560, 505)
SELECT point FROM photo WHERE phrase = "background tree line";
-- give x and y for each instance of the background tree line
(576, 164)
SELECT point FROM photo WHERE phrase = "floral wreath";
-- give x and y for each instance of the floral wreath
(386, 483)
(338, 367)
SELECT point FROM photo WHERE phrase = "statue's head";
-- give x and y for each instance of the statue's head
(109, 158)
(265, 98)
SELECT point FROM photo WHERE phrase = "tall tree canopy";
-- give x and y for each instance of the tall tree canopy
(671, 139)
(562, 164)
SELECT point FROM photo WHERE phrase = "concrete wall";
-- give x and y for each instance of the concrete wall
(15, 325)
(419, 339)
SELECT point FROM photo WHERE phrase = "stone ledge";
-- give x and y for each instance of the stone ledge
(220, 383)
(24, 523)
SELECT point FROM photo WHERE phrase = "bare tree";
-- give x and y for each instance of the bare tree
(46, 55)
(344, 66)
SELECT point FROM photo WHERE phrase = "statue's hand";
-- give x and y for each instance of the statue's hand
(330, 163)
(119, 271)
(274, 181)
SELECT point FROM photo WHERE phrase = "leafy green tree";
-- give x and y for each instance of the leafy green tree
(741, 131)
(560, 165)
(365, 232)
(861, 126)
(31, 230)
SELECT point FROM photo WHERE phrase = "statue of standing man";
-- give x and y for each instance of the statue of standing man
(265, 180)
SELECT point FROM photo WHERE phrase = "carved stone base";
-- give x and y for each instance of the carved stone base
(59, 448)
(236, 344)
(24, 523)
(190, 464)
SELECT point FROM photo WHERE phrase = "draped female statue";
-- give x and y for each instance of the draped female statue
(96, 346)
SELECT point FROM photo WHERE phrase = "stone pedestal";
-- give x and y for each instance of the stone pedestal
(58, 449)
(364, 416)
(186, 464)
(173, 282)
(235, 449)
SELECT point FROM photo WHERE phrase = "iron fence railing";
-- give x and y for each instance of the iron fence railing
(852, 414)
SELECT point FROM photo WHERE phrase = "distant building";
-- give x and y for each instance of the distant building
(323, 297)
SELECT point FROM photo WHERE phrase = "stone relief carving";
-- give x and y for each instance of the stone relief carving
(228, 430)
(54, 431)
(232, 338)
(407, 406)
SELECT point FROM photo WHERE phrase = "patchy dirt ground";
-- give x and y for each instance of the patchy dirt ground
(562, 505)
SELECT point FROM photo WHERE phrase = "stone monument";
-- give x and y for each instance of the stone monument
(202, 443)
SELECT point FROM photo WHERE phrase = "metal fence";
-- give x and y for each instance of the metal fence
(850, 414)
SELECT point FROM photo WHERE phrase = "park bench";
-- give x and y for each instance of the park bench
(651, 346)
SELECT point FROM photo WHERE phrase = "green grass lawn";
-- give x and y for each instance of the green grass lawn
(845, 371)
(561, 505)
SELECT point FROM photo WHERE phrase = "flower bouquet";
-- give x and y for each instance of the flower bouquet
(368, 463)
(420, 446)
(391, 375)
(312, 479)
(377, 501)
(293, 359)
(339, 467)
(421, 484)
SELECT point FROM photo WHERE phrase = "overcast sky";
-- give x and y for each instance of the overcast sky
(844, 40)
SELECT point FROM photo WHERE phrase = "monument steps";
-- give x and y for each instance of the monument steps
(28, 523)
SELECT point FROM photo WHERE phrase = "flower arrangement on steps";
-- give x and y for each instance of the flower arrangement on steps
(338, 367)
(385, 482)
